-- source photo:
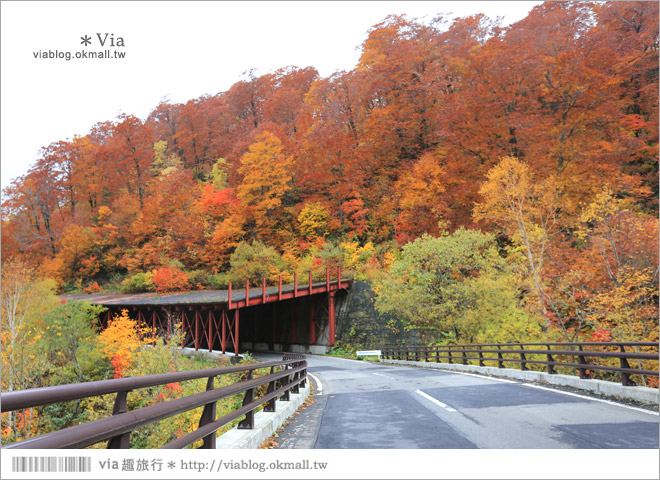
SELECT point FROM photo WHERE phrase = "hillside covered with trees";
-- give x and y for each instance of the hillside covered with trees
(492, 183)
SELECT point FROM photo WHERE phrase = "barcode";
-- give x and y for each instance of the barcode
(51, 464)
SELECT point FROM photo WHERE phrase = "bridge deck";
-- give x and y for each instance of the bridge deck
(201, 297)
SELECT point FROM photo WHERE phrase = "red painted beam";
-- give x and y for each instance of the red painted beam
(331, 318)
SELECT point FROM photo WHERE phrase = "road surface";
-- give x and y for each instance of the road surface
(361, 404)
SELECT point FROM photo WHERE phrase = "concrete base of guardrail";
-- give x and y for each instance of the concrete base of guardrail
(641, 394)
(265, 423)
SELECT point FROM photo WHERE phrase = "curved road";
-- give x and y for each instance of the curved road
(372, 405)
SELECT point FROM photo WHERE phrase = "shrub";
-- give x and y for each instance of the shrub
(252, 262)
(200, 279)
(168, 279)
(140, 282)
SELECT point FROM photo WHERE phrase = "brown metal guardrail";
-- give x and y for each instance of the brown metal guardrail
(117, 428)
(557, 354)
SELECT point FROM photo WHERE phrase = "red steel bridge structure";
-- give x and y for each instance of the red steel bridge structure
(299, 317)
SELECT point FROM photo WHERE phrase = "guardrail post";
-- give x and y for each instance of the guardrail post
(248, 422)
(464, 356)
(500, 358)
(270, 405)
(416, 351)
(208, 416)
(451, 360)
(551, 368)
(523, 364)
(294, 387)
(437, 354)
(582, 361)
(284, 381)
(625, 376)
(120, 441)
(481, 358)
(303, 374)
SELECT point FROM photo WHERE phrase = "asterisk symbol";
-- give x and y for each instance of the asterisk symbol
(171, 465)
(86, 40)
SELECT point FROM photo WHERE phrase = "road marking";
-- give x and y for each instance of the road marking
(381, 375)
(319, 385)
(591, 398)
(436, 401)
(483, 377)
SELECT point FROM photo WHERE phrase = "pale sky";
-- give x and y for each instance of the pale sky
(178, 50)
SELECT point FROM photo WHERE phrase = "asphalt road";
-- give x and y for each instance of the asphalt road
(371, 405)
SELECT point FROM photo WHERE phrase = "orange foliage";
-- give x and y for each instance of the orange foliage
(169, 279)
(408, 142)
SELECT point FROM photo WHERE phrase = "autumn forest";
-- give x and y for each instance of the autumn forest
(491, 183)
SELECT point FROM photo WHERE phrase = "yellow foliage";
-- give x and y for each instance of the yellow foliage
(121, 339)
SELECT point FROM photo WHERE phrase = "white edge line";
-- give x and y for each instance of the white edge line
(485, 377)
(319, 385)
(591, 398)
(381, 375)
(434, 400)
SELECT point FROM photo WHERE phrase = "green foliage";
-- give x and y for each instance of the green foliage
(200, 279)
(69, 343)
(252, 262)
(140, 282)
(342, 350)
(456, 283)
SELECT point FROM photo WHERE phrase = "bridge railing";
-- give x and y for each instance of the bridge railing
(117, 428)
(580, 357)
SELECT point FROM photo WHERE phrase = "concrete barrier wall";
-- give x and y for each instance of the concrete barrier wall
(265, 423)
(641, 394)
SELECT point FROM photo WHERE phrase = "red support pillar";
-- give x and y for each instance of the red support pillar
(229, 297)
(139, 322)
(196, 341)
(153, 326)
(223, 339)
(338, 277)
(327, 279)
(279, 292)
(184, 320)
(236, 332)
(295, 284)
(310, 282)
(331, 318)
(211, 321)
(263, 290)
(169, 327)
(247, 293)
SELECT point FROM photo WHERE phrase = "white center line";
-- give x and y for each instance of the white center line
(591, 398)
(436, 401)
(381, 375)
(319, 385)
